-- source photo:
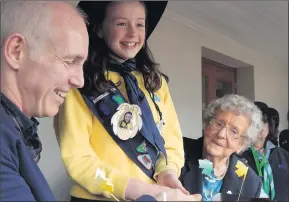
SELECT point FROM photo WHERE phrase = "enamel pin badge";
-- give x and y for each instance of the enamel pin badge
(145, 160)
(127, 121)
(160, 126)
(142, 148)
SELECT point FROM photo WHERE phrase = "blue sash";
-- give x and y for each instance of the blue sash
(104, 109)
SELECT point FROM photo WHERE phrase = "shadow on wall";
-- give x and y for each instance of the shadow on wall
(51, 164)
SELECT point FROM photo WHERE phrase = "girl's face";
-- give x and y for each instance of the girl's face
(123, 28)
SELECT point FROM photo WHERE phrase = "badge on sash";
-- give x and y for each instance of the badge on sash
(145, 160)
(142, 148)
(127, 121)
(117, 99)
(160, 126)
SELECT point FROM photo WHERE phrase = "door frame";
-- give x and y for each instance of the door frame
(216, 71)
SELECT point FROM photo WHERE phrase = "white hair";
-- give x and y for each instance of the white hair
(29, 18)
(241, 106)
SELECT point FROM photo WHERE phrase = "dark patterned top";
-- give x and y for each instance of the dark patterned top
(25, 126)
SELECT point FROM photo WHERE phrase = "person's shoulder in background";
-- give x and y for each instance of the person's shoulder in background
(284, 139)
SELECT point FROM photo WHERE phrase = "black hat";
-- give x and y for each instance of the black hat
(261, 105)
(96, 12)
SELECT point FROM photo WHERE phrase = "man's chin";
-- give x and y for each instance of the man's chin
(51, 112)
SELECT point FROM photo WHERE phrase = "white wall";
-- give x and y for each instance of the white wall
(178, 49)
(245, 81)
(51, 163)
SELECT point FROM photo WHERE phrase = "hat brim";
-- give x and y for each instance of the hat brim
(96, 11)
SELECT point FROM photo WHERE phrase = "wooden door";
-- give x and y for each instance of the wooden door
(217, 80)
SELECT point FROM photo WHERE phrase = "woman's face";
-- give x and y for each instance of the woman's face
(264, 133)
(224, 134)
(123, 28)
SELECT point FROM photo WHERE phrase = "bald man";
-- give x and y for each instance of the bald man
(43, 48)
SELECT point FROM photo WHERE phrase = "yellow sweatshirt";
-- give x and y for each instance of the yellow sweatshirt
(85, 144)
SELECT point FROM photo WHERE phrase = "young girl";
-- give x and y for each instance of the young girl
(121, 79)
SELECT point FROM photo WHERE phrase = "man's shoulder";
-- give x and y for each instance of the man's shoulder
(4, 118)
(279, 152)
(9, 136)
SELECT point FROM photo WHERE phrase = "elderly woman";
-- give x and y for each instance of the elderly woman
(271, 163)
(232, 123)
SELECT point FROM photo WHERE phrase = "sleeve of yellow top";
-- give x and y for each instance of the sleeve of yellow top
(80, 160)
(172, 135)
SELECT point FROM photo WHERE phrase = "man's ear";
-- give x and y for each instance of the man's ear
(14, 50)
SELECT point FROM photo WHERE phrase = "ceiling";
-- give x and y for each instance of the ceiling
(260, 25)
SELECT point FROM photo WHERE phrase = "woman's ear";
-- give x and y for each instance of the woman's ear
(243, 147)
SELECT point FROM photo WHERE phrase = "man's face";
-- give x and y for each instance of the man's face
(47, 78)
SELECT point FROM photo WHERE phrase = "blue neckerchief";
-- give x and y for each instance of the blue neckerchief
(136, 96)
